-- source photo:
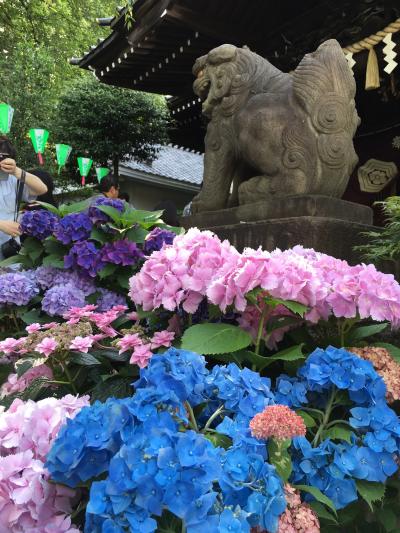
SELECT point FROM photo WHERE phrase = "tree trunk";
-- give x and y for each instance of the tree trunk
(116, 166)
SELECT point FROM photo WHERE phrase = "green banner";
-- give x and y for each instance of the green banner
(39, 139)
(85, 164)
(63, 152)
(102, 172)
(6, 116)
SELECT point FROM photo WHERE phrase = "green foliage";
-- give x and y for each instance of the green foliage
(208, 339)
(370, 491)
(110, 123)
(279, 457)
(384, 245)
(317, 495)
(37, 39)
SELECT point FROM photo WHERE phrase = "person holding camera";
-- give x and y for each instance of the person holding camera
(16, 185)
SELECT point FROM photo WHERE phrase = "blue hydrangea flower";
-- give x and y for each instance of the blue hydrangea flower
(60, 298)
(107, 299)
(39, 224)
(17, 288)
(48, 277)
(86, 256)
(156, 239)
(97, 216)
(73, 228)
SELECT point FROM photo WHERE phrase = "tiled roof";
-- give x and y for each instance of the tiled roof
(172, 162)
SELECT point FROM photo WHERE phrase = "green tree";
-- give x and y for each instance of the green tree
(109, 123)
(37, 37)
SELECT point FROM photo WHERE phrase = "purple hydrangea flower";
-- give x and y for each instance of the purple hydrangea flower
(156, 239)
(123, 252)
(107, 299)
(39, 224)
(97, 216)
(86, 256)
(17, 288)
(60, 298)
(73, 227)
(48, 277)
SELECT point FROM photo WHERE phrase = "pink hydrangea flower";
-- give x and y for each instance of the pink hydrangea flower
(32, 328)
(129, 342)
(277, 422)
(141, 355)
(10, 346)
(133, 316)
(50, 325)
(75, 314)
(28, 501)
(47, 346)
(82, 344)
(104, 320)
(18, 384)
(98, 337)
(298, 517)
(162, 338)
(385, 366)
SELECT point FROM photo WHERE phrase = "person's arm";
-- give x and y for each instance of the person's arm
(34, 184)
(10, 228)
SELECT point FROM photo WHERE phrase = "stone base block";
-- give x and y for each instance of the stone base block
(282, 208)
(328, 235)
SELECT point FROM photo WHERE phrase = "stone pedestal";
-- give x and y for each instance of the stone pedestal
(326, 224)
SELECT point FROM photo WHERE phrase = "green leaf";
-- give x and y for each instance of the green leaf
(388, 518)
(296, 307)
(208, 339)
(108, 270)
(5, 371)
(98, 235)
(318, 496)
(33, 316)
(12, 260)
(137, 235)
(393, 350)
(23, 365)
(113, 213)
(169, 523)
(117, 387)
(322, 512)
(112, 355)
(339, 432)
(84, 359)
(54, 247)
(363, 332)
(289, 354)
(308, 419)
(124, 277)
(74, 208)
(30, 244)
(219, 440)
(54, 261)
(370, 491)
(35, 388)
(49, 207)
(279, 456)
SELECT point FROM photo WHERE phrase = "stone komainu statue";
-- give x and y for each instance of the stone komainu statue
(271, 133)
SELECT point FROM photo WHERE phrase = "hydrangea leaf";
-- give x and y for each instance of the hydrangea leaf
(52, 246)
(296, 307)
(113, 213)
(35, 388)
(318, 496)
(308, 419)
(49, 207)
(279, 457)
(388, 518)
(219, 440)
(117, 387)
(393, 350)
(112, 355)
(77, 207)
(23, 365)
(370, 491)
(209, 339)
(99, 236)
(289, 354)
(84, 359)
(322, 512)
(137, 235)
(339, 432)
(363, 332)
(34, 316)
(108, 270)
(54, 261)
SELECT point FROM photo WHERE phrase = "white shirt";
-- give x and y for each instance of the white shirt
(8, 188)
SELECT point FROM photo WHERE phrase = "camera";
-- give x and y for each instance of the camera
(10, 248)
(3, 175)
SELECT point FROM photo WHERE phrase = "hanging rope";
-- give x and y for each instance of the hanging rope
(372, 80)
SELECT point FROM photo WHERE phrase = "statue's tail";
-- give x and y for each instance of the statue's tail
(324, 85)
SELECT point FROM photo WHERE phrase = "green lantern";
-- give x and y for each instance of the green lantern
(63, 152)
(39, 139)
(102, 172)
(6, 116)
(85, 164)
